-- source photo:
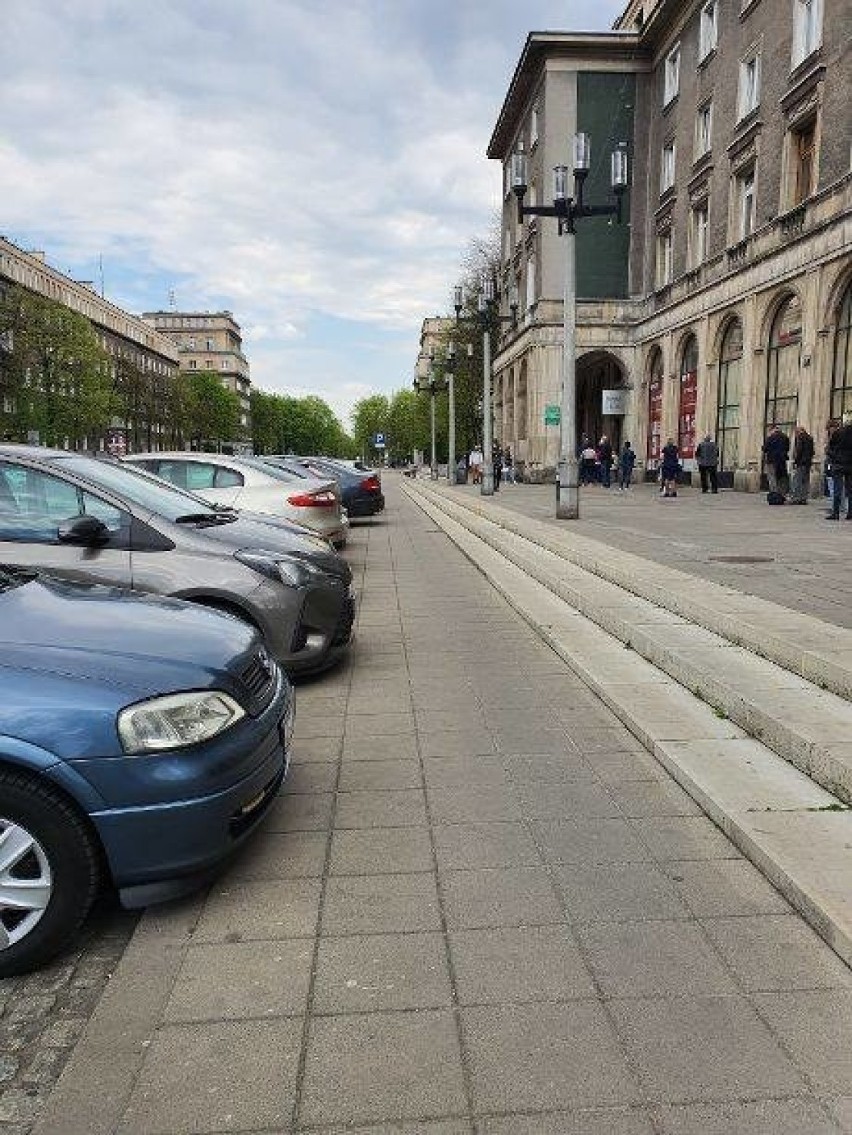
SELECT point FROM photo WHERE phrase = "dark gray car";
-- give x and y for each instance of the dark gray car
(81, 518)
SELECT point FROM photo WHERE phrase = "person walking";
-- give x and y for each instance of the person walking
(803, 459)
(670, 469)
(776, 450)
(508, 467)
(475, 463)
(496, 465)
(605, 458)
(588, 464)
(839, 456)
(626, 462)
(707, 456)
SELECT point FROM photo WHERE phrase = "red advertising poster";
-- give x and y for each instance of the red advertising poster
(686, 417)
(655, 420)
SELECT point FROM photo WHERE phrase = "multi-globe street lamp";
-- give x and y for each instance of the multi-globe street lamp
(568, 210)
(486, 317)
(432, 385)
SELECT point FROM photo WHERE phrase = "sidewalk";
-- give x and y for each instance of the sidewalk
(789, 555)
(481, 906)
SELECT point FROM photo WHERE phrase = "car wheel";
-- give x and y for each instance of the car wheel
(49, 872)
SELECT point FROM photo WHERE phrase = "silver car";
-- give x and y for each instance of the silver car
(243, 482)
(84, 519)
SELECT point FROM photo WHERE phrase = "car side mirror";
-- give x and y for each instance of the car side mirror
(86, 530)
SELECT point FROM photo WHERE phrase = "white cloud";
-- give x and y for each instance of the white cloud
(289, 162)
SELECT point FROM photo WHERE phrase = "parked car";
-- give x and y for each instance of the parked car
(98, 521)
(361, 491)
(244, 482)
(141, 741)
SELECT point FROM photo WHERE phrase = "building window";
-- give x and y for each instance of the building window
(708, 32)
(671, 75)
(841, 374)
(704, 129)
(191, 343)
(698, 234)
(507, 242)
(802, 154)
(530, 294)
(665, 258)
(224, 364)
(534, 126)
(807, 29)
(193, 364)
(688, 399)
(655, 409)
(728, 397)
(749, 89)
(783, 367)
(667, 167)
(211, 345)
(744, 204)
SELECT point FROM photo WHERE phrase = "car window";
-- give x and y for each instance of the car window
(33, 504)
(199, 475)
(138, 486)
(173, 471)
(228, 478)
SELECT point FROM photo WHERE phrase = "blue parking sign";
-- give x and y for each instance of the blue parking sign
(379, 441)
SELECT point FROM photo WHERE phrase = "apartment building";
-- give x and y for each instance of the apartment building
(724, 304)
(209, 340)
(127, 338)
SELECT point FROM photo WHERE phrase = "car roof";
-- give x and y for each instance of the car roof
(36, 452)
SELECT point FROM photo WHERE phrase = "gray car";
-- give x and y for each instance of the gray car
(80, 518)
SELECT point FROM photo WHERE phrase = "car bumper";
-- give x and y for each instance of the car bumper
(366, 506)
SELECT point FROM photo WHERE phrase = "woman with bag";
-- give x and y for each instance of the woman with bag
(670, 470)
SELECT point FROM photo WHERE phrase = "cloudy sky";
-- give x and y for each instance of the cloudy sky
(316, 166)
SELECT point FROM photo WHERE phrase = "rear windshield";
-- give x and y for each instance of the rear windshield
(137, 486)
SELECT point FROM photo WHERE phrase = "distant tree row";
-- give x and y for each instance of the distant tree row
(282, 424)
(58, 380)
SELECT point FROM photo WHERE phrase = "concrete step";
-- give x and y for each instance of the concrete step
(808, 726)
(800, 643)
(796, 832)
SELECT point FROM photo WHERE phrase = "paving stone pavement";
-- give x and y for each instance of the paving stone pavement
(798, 559)
(42, 1015)
(479, 906)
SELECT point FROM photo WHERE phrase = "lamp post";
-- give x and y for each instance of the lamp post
(568, 210)
(451, 413)
(432, 385)
(486, 316)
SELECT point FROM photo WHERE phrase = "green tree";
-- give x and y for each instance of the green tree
(56, 376)
(283, 424)
(369, 417)
(214, 410)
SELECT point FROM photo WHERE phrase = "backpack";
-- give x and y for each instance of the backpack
(774, 498)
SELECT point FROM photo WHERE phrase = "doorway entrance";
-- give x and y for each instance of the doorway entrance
(597, 372)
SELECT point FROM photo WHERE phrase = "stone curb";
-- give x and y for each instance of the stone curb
(807, 726)
(807, 646)
(795, 832)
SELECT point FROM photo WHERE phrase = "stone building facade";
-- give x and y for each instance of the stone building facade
(723, 306)
(209, 340)
(125, 337)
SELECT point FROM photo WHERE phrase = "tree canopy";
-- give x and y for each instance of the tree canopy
(283, 424)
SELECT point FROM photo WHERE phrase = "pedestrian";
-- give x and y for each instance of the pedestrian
(626, 461)
(707, 456)
(508, 467)
(670, 469)
(461, 471)
(475, 463)
(839, 456)
(802, 460)
(588, 464)
(496, 465)
(828, 482)
(776, 450)
(605, 458)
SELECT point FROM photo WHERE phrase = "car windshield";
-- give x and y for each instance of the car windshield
(144, 489)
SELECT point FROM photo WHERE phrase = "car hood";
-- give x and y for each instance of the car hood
(252, 531)
(137, 646)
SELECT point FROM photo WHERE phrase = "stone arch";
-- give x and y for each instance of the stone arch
(837, 290)
(771, 308)
(783, 344)
(654, 386)
(729, 364)
(596, 371)
(687, 357)
(731, 315)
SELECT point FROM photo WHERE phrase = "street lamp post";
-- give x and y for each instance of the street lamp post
(433, 385)
(451, 413)
(568, 210)
(486, 316)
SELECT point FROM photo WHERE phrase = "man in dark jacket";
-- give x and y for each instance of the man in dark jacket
(707, 456)
(803, 458)
(839, 458)
(776, 450)
(605, 457)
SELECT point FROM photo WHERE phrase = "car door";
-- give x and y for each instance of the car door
(33, 505)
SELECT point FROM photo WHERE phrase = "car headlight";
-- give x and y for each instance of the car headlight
(176, 720)
(289, 570)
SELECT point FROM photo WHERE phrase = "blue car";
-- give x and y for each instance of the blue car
(141, 741)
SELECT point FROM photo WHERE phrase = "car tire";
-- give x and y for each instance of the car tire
(51, 860)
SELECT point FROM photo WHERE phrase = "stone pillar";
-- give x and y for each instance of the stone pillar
(753, 398)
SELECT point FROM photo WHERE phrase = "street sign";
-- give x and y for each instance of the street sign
(379, 441)
(614, 402)
(552, 415)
